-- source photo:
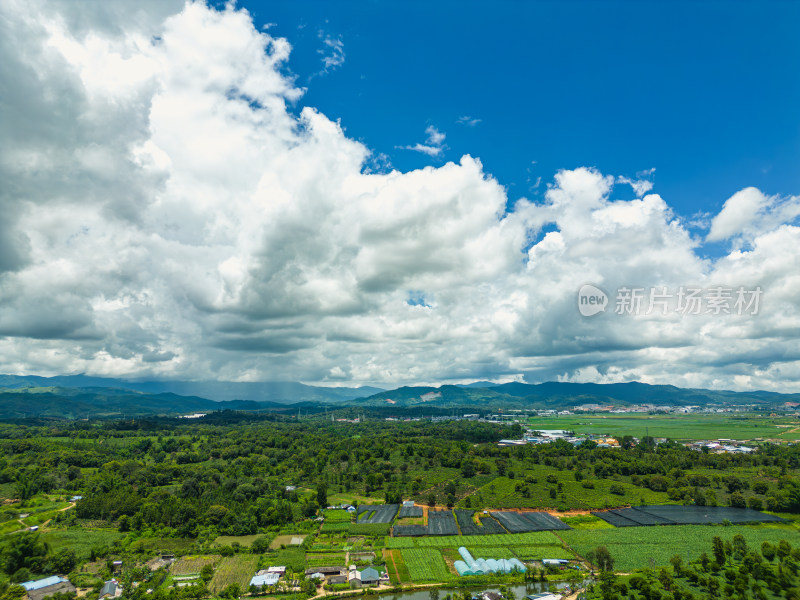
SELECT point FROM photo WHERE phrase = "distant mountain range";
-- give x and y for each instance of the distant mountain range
(80, 396)
(77, 403)
(559, 395)
(267, 391)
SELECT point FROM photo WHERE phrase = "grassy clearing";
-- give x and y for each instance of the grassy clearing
(192, 565)
(243, 540)
(586, 522)
(637, 547)
(234, 569)
(80, 539)
(41, 517)
(11, 526)
(353, 499)
(174, 545)
(286, 540)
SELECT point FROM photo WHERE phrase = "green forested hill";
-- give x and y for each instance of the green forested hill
(20, 398)
(558, 395)
(71, 403)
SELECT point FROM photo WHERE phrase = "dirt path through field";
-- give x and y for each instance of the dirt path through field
(570, 548)
(569, 513)
(391, 556)
(360, 591)
(46, 523)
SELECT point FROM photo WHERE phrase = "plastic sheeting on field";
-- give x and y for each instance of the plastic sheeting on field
(519, 522)
(381, 513)
(482, 566)
(470, 562)
(516, 564)
(462, 568)
(669, 514)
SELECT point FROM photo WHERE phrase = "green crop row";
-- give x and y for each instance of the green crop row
(425, 564)
(532, 538)
(337, 516)
(637, 547)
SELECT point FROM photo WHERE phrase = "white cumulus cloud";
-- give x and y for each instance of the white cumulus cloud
(749, 213)
(165, 215)
(434, 143)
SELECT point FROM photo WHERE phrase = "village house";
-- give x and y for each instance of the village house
(110, 589)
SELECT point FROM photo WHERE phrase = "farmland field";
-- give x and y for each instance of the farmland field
(191, 565)
(286, 540)
(325, 560)
(234, 569)
(410, 530)
(528, 521)
(533, 538)
(335, 526)
(676, 427)
(337, 516)
(81, 540)
(409, 511)
(488, 552)
(369, 528)
(243, 540)
(292, 557)
(466, 522)
(442, 522)
(684, 515)
(246, 461)
(382, 513)
(637, 547)
(351, 498)
(396, 567)
(425, 564)
(540, 552)
(174, 545)
(586, 522)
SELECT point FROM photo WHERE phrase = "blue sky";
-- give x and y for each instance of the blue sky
(706, 93)
(284, 191)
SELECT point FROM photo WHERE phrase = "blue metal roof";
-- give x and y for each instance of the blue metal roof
(370, 574)
(42, 583)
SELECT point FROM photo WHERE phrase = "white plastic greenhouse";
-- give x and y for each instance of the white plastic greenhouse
(482, 566)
